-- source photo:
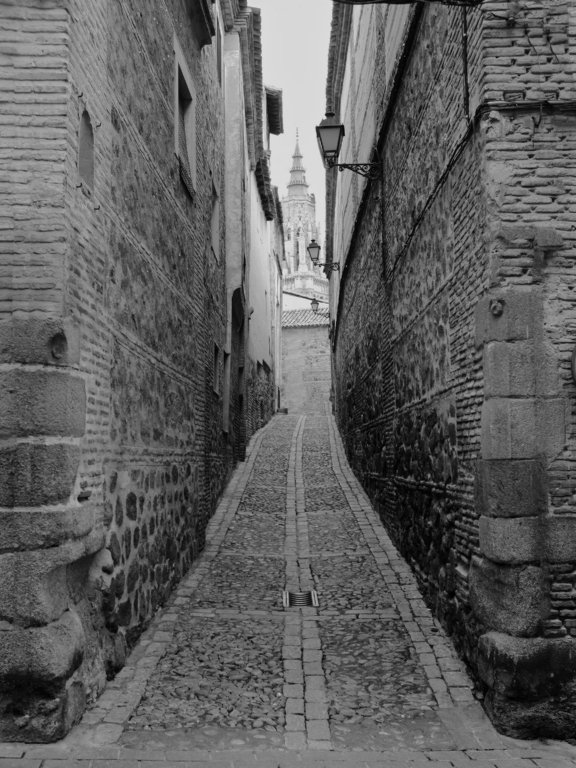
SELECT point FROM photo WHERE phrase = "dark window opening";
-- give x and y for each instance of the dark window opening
(215, 223)
(219, 52)
(216, 369)
(185, 132)
(86, 150)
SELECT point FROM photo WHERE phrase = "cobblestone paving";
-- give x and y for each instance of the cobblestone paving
(243, 583)
(335, 530)
(324, 498)
(351, 583)
(227, 676)
(204, 678)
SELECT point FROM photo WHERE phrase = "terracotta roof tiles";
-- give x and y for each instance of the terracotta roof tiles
(303, 318)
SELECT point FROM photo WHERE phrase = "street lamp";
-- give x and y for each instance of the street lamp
(314, 253)
(330, 134)
(315, 304)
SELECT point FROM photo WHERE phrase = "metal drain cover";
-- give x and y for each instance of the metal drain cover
(300, 599)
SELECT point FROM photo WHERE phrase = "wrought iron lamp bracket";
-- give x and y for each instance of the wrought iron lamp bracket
(369, 170)
(333, 265)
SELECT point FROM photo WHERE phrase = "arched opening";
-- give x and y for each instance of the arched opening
(86, 150)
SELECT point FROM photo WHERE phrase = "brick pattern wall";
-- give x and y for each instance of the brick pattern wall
(165, 287)
(562, 621)
(454, 331)
(405, 353)
(530, 180)
(111, 302)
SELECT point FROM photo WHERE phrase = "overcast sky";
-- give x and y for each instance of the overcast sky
(295, 37)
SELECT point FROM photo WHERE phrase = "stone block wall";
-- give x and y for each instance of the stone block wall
(454, 337)
(111, 303)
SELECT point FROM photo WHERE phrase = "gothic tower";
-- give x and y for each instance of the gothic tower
(300, 227)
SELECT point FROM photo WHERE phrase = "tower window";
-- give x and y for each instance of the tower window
(86, 150)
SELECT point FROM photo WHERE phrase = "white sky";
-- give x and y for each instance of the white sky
(295, 37)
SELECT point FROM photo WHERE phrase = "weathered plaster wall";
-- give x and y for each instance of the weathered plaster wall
(453, 335)
(250, 236)
(306, 368)
(111, 304)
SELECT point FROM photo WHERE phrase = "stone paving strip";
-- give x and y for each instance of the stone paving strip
(227, 676)
(306, 701)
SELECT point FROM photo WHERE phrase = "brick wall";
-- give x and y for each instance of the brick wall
(453, 332)
(111, 301)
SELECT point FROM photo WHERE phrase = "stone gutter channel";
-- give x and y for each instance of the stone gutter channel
(309, 734)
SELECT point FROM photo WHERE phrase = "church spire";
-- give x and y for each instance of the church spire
(297, 186)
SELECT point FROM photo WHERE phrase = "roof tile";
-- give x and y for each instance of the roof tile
(300, 318)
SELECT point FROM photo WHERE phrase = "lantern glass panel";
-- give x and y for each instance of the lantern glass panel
(330, 139)
(314, 251)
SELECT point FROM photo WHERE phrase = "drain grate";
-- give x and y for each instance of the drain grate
(300, 599)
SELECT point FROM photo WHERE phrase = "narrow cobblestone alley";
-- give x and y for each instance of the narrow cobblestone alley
(228, 676)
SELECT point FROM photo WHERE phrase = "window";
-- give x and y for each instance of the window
(219, 51)
(226, 398)
(86, 150)
(216, 370)
(289, 234)
(185, 121)
(215, 223)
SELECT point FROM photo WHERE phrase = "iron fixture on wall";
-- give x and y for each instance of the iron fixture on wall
(330, 134)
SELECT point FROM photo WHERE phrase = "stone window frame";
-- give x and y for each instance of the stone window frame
(184, 91)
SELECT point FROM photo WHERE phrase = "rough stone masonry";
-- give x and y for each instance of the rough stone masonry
(112, 452)
(455, 324)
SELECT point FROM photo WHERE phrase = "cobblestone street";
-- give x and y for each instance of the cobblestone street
(229, 676)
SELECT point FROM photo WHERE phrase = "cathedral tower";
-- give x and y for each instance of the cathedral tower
(300, 227)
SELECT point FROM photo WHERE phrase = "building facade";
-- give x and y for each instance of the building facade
(254, 249)
(115, 327)
(454, 324)
(302, 280)
(306, 380)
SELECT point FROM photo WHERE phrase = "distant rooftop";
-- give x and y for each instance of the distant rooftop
(301, 318)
